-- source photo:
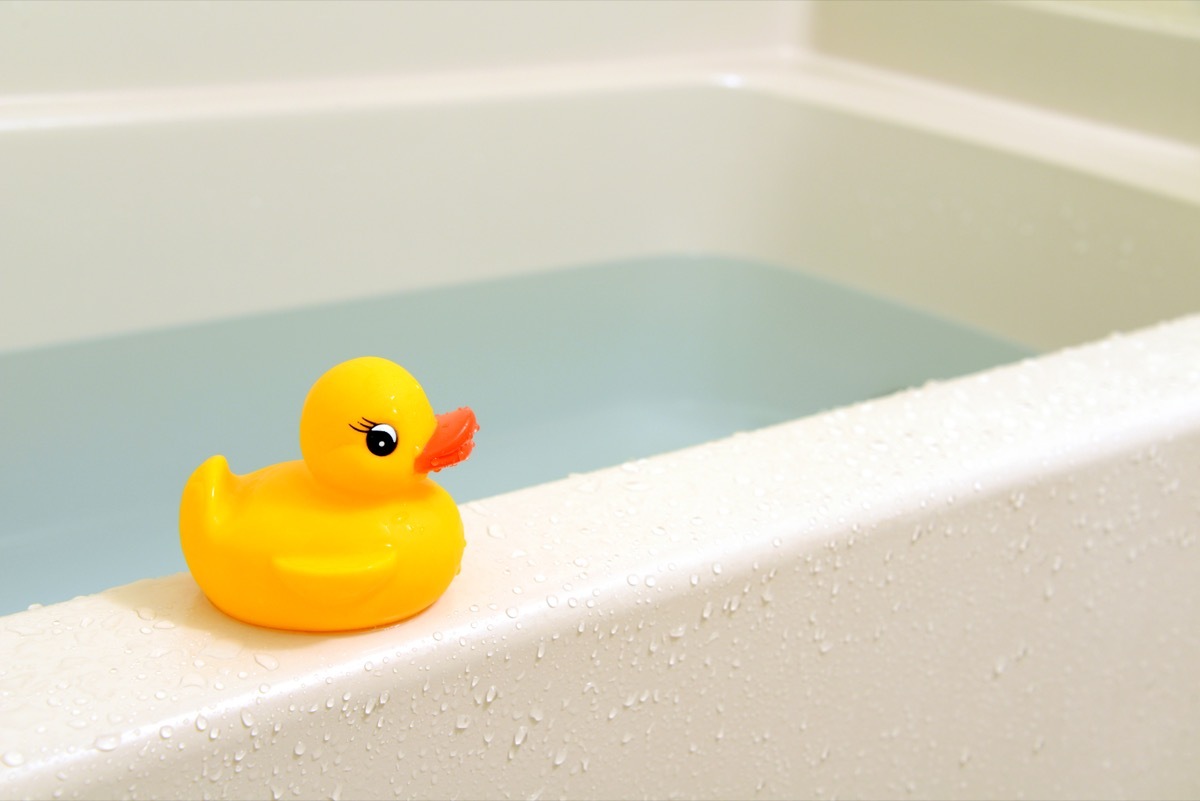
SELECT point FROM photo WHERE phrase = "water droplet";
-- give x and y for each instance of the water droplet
(581, 561)
(107, 742)
(520, 735)
(560, 757)
(463, 722)
(551, 601)
(267, 661)
(299, 749)
(511, 611)
(14, 759)
(201, 723)
(633, 580)
(166, 732)
(247, 718)
(716, 568)
(496, 531)
(145, 613)
(192, 679)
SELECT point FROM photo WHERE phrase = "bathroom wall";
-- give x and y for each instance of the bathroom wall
(84, 46)
(1136, 69)
(1119, 62)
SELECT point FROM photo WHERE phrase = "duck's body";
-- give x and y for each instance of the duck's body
(290, 548)
(276, 548)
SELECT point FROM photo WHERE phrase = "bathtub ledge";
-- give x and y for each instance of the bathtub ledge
(705, 609)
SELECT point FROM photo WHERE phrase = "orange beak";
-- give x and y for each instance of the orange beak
(450, 443)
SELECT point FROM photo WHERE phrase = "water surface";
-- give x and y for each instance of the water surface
(568, 371)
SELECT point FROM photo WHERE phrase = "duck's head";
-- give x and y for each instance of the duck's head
(368, 429)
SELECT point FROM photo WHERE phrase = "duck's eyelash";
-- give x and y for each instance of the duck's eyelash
(363, 422)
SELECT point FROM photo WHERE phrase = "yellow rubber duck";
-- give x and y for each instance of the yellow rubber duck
(355, 535)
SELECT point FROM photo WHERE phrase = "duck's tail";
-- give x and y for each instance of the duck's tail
(206, 497)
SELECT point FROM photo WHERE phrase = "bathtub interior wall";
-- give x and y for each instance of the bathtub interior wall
(176, 221)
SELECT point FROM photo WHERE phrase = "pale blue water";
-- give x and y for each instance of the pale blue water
(568, 371)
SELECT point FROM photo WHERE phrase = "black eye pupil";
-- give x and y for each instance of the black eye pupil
(381, 440)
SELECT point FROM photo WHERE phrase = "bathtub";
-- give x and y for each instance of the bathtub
(979, 586)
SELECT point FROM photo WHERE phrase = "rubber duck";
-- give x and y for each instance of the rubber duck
(355, 534)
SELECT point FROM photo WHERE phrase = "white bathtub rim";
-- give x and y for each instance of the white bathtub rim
(1140, 160)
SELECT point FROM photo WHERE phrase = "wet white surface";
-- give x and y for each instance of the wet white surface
(981, 587)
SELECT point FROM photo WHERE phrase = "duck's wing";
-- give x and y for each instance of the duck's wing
(336, 579)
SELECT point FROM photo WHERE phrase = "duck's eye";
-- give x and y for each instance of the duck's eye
(381, 439)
